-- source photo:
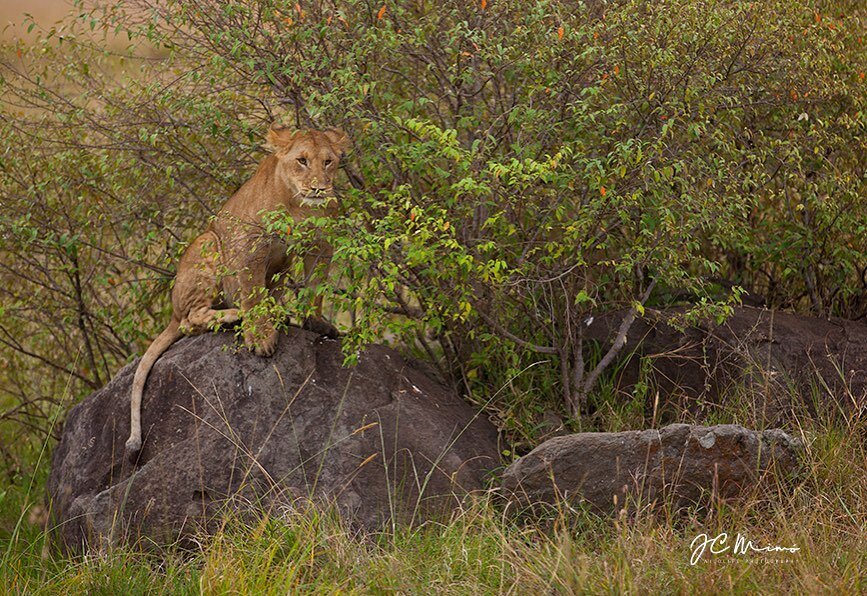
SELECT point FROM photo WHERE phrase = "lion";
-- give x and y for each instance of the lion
(226, 271)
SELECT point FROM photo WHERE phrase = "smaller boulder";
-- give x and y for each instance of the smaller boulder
(680, 463)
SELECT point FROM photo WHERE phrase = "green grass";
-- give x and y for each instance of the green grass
(483, 551)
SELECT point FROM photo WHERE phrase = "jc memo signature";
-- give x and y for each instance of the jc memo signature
(719, 544)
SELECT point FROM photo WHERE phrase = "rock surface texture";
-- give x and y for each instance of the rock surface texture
(681, 464)
(382, 441)
(782, 363)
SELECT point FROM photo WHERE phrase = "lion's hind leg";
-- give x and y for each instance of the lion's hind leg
(197, 287)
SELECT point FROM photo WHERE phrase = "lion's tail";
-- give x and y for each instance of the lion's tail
(164, 340)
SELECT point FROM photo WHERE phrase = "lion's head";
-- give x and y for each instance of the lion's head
(307, 161)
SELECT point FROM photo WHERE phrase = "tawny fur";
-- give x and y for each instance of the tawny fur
(228, 269)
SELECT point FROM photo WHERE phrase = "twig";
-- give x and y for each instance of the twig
(618, 344)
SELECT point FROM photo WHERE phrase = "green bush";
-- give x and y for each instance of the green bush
(518, 168)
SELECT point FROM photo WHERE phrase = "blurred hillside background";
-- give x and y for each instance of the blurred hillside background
(44, 12)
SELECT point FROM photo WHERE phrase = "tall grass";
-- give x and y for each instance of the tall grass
(481, 550)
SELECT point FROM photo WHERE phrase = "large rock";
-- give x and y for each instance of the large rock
(382, 441)
(679, 464)
(786, 364)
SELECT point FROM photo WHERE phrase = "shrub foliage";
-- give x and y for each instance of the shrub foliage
(518, 169)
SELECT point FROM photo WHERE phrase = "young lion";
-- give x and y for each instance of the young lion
(234, 261)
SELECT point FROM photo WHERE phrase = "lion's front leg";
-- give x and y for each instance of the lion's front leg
(260, 336)
(316, 265)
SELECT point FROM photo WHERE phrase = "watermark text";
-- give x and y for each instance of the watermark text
(741, 546)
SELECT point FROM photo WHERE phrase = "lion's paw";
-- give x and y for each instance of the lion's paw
(263, 342)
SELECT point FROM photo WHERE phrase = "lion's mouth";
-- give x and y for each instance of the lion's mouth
(314, 200)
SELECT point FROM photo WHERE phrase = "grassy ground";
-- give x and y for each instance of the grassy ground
(482, 551)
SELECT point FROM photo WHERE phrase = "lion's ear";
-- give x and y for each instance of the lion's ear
(279, 137)
(338, 139)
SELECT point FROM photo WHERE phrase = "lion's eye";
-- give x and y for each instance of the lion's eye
(327, 162)
(302, 161)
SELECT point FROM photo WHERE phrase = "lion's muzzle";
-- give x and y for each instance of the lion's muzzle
(317, 197)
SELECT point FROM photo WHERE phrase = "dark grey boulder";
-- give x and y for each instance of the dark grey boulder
(787, 364)
(679, 464)
(222, 427)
